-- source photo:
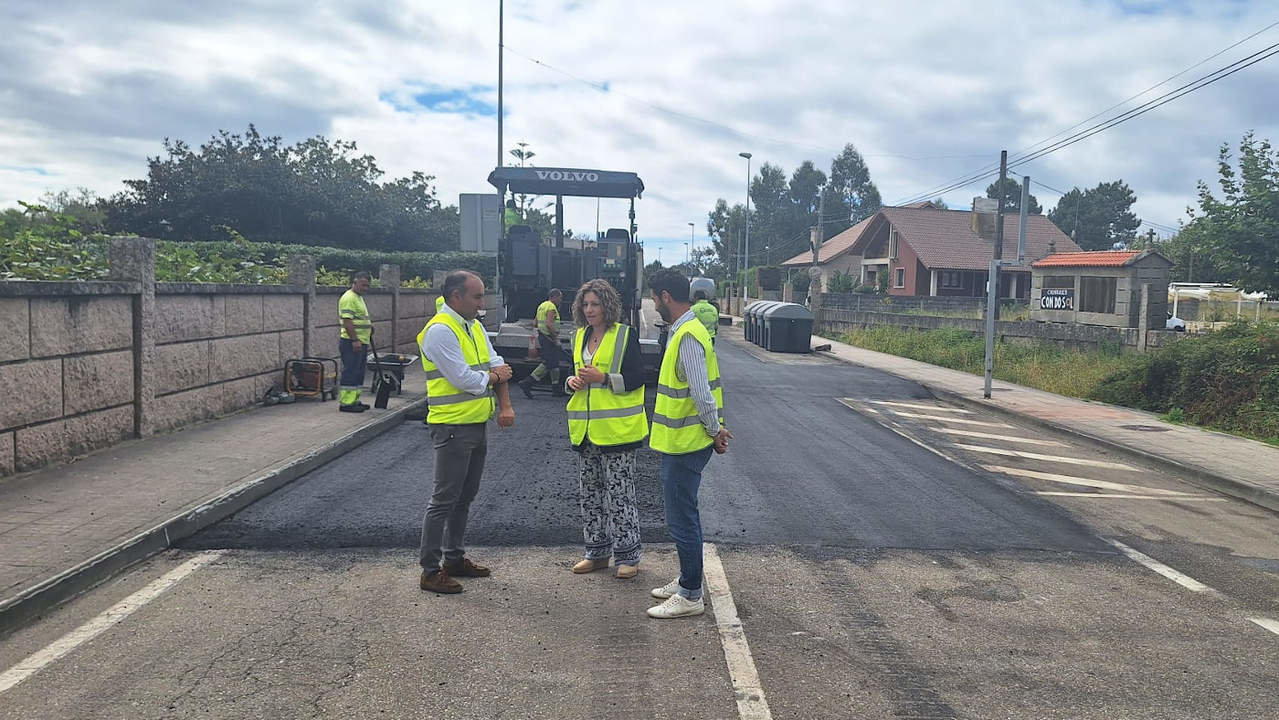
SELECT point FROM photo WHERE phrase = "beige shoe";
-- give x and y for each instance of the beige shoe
(677, 606)
(626, 572)
(588, 565)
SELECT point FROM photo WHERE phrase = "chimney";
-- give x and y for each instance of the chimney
(985, 211)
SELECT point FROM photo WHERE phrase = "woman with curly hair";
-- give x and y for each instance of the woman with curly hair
(606, 424)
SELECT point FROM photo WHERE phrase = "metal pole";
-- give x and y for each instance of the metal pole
(747, 256)
(1025, 220)
(992, 286)
(500, 13)
(692, 242)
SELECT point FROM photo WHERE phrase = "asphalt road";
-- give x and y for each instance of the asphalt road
(884, 562)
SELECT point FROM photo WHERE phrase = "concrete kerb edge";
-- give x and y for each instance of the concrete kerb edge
(1200, 476)
(36, 600)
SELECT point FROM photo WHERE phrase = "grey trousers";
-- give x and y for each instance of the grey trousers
(459, 463)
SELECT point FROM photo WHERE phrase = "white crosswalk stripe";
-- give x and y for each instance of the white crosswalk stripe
(963, 421)
(1040, 456)
(993, 436)
(1085, 482)
(890, 403)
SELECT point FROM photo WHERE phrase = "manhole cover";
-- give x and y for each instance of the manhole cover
(1145, 428)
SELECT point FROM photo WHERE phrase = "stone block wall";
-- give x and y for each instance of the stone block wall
(219, 348)
(68, 371)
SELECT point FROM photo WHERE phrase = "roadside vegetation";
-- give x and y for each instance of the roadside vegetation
(1227, 380)
(37, 243)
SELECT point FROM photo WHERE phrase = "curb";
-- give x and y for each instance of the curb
(1202, 477)
(35, 600)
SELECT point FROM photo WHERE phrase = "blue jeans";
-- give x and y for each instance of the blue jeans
(353, 365)
(681, 479)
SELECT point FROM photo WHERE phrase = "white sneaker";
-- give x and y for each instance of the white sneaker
(677, 606)
(665, 591)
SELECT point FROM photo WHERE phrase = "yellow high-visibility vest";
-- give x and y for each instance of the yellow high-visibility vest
(545, 307)
(447, 404)
(707, 315)
(351, 307)
(596, 412)
(677, 430)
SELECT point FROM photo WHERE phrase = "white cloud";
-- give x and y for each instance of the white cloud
(927, 91)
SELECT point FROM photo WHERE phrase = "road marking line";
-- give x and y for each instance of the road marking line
(1267, 623)
(942, 418)
(993, 436)
(1050, 458)
(103, 622)
(922, 407)
(1114, 496)
(1150, 563)
(751, 704)
(1086, 482)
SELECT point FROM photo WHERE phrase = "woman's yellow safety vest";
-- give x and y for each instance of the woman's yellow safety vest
(447, 404)
(677, 430)
(596, 412)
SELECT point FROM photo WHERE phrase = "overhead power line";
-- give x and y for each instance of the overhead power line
(606, 89)
(1028, 154)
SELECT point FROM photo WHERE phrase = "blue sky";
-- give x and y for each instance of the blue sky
(927, 91)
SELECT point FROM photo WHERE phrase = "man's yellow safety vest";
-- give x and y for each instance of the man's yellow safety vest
(545, 307)
(677, 430)
(448, 405)
(351, 307)
(598, 414)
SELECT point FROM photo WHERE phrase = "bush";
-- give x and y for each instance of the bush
(841, 282)
(801, 281)
(1228, 379)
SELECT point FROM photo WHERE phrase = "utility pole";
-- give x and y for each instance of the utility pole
(992, 283)
(500, 13)
(819, 230)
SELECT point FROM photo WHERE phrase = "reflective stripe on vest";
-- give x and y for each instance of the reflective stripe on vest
(448, 405)
(677, 429)
(596, 412)
(351, 307)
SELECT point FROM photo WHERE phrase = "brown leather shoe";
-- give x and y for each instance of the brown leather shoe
(466, 568)
(439, 582)
(590, 565)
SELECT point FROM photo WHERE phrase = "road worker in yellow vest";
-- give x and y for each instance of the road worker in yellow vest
(688, 424)
(357, 328)
(606, 425)
(707, 314)
(548, 346)
(465, 382)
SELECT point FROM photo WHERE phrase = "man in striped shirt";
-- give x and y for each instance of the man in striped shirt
(687, 426)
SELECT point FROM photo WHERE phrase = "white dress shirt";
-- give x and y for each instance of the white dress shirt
(440, 346)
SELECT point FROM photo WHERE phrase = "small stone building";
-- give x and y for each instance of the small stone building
(1100, 288)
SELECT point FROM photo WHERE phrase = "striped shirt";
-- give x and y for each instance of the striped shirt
(691, 368)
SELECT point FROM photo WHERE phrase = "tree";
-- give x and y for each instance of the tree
(317, 192)
(850, 195)
(1012, 197)
(785, 210)
(1098, 218)
(1238, 235)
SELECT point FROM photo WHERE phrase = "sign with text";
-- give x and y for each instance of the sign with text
(1057, 299)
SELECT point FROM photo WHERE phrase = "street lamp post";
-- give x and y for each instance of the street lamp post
(685, 253)
(748, 212)
(691, 241)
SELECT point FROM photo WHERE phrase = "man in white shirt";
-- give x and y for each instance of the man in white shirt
(461, 384)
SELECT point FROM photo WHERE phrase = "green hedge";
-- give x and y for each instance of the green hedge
(1228, 379)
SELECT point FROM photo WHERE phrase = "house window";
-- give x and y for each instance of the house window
(952, 280)
(899, 277)
(1059, 281)
(871, 276)
(1097, 294)
(892, 245)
